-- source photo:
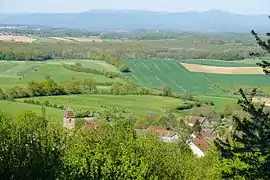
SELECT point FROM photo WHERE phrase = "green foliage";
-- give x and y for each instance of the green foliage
(2, 95)
(124, 69)
(35, 148)
(246, 153)
(119, 88)
(49, 87)
(197, 128)
(166, 91)
(206, 48)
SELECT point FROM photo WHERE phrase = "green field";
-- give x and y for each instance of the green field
(140, 105)
(220, 102)
(158, 73)
(13, 109)
(19, 73)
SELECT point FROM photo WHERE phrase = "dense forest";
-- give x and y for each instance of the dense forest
(230, 48)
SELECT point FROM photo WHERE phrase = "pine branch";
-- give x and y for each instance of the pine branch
(261, 43)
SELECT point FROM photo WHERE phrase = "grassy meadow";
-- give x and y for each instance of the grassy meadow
(140, 105)
(13, 109)
(219, 101)
(150, 73)
(20, 73)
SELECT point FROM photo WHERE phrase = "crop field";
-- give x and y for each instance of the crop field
(24, 39)
(222, 70)
(90, 39)
(221, 63)
(19, 73)
(61, 39)
(15, 108)
(158, 73)
(46, 40)
(140, 105)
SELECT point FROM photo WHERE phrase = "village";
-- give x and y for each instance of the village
(199, 142)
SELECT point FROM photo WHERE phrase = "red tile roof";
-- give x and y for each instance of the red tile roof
(202, 144)
(161, 131)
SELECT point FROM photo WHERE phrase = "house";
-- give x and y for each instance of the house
(191, 120)
(200, 144)
(163, 133)
(196, 151)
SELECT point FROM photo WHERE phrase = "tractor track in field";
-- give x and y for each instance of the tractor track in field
(139, 71)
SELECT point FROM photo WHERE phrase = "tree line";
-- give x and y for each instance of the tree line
(187, 47)
(49, 87)
(79, 68)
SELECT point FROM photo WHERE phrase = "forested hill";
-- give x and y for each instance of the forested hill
(126, 20)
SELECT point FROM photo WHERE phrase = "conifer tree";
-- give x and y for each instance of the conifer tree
(246, 153)
(265, 46)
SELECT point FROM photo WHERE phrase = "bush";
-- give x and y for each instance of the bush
(124, 69)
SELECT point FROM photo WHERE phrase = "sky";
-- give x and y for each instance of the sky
(234, 6)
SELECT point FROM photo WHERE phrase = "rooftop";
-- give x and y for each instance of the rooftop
(161, 131)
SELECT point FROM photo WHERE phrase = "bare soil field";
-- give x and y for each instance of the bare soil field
(222, 70)
(61, 39)
(17, 38)
(85, 39)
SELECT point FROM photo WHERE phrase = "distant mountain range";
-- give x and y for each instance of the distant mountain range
(127, 20)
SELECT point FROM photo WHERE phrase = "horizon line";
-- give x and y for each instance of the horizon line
(140, 10)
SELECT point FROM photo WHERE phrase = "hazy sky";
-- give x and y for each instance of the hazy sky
(237, 6)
